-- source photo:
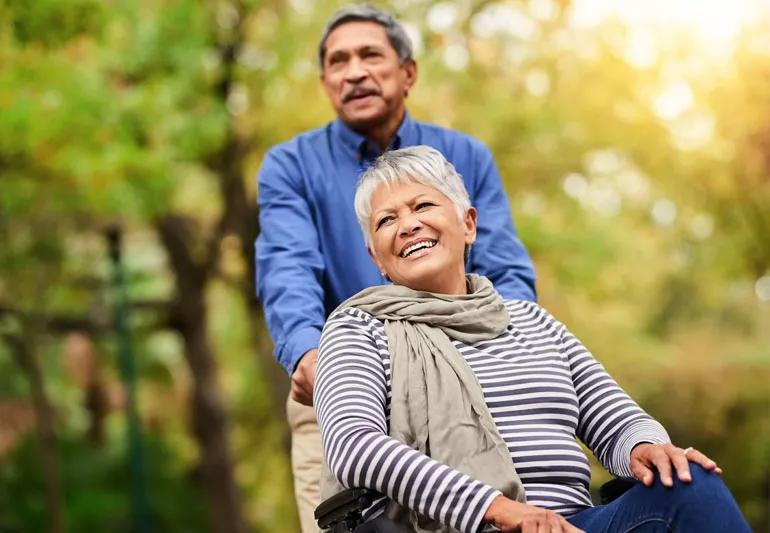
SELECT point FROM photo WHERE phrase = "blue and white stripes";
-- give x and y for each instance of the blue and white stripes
(541, 385)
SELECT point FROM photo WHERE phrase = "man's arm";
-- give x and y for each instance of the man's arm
(289, 267)
(498, 253)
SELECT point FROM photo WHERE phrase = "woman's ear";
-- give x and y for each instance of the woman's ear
(469, 221)
(376, 261)
(379, 265)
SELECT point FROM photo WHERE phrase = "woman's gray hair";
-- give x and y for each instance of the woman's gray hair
(397, 36)
(421, 164)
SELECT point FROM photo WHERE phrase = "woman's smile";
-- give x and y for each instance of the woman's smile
(417, 248)
(418, 238)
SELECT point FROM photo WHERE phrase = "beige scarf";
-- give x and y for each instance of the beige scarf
(437, 405)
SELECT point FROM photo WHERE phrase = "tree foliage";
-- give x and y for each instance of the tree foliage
(638, 180)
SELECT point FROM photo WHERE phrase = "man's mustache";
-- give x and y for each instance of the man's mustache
(359, 92)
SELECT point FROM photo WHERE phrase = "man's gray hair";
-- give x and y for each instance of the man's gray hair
(397, 36)
(421, 164)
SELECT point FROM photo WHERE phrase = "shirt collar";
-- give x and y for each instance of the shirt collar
(358, 145)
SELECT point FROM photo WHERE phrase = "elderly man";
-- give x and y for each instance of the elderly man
(310, 253)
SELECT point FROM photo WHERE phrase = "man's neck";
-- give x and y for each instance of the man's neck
(382, 134)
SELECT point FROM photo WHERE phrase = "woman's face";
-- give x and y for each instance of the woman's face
(417, 239)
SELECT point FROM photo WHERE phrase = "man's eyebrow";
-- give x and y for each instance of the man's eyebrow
(335, 54)
(370, 48)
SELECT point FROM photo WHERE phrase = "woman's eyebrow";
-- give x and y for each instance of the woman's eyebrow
(421, 196)
(383, 210)
(413, 200)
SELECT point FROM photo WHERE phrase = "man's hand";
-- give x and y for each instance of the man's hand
(303, 378)
(665, 458)
(514, 517)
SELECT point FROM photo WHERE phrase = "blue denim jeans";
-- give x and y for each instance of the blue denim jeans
(704, 505)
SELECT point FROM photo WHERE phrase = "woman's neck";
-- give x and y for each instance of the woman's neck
(457, 286)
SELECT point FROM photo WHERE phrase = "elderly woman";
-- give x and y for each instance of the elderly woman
(464, 409)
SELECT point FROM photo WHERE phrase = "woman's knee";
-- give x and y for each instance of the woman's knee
(707, 498)
(706, 489)
(706, 479)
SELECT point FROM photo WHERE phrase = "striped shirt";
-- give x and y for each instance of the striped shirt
(542, 386)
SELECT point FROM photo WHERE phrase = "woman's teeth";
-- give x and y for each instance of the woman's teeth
(418, 246)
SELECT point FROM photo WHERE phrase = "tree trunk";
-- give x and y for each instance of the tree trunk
(209, 421)
(27, 361)
(211, 430)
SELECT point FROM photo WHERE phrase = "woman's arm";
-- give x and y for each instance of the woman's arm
(628, 441)
(351, 399)
(610, 423)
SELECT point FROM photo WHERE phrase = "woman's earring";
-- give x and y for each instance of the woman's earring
(385, 276)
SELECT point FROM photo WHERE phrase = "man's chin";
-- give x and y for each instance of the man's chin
(364, 120)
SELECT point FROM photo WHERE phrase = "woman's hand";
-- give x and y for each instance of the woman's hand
(647, 457)
(511, 516)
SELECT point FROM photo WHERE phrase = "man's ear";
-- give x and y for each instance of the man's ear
(410, 69)
(470, 223)
(322, 81)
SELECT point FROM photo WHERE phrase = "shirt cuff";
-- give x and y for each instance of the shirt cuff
(479, 524)
(295, 347)
(638, 432)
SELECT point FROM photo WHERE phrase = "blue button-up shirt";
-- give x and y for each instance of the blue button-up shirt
(310, 251)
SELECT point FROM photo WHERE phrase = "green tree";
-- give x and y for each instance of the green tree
(638, 182)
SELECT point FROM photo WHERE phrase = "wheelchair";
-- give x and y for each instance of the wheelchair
(342, 513)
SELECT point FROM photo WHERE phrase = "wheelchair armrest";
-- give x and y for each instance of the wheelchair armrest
(345, 506)
(348, 505)
(614, 488)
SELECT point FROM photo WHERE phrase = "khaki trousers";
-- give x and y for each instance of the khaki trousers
(306, 457)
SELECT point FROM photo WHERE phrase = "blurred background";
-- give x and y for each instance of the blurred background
(633, 139)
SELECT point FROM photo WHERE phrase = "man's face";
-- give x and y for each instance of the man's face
(363, 77)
